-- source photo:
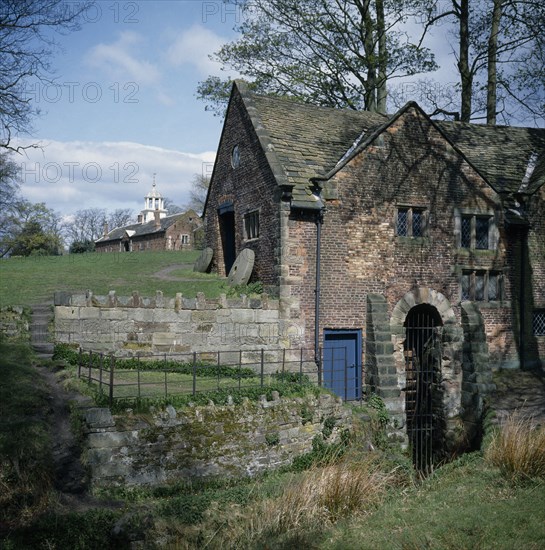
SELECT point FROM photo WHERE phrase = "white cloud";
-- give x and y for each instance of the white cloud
(120, 58)
(193, 46)
(68, 176)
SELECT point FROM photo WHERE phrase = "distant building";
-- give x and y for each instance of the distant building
(154, 230)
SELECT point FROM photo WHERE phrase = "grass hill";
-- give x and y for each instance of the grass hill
(32, 280)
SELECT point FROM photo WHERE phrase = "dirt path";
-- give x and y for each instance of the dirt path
(164, 273)
(70, 477)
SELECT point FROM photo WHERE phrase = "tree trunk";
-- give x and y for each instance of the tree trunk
(463, 62)
(382, 58)
(370, 57)
(492, 81)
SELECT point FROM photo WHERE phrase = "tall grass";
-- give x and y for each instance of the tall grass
(517, 448)
(309, 504)
(25, 454)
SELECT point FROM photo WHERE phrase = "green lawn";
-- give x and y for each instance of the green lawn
(465, 505)
(25, 281)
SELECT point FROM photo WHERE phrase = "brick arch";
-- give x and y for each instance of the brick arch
(421, 295)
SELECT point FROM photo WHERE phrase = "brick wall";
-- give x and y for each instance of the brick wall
(412, 165)
(251, 186)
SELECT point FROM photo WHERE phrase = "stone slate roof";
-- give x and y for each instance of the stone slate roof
(142, 229)
(502, 154)
(303, 141)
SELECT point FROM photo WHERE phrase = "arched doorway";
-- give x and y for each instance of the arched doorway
(423, 391)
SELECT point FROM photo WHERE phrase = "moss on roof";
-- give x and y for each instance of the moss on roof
(308, 141)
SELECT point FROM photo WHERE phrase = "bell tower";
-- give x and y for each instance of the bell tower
(153, 202)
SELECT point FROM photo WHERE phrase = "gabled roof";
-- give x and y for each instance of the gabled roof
(305, 142)
(148, 228)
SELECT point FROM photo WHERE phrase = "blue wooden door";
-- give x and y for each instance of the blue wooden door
(342, 363)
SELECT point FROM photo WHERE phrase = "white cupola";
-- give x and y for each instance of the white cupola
(153, 203)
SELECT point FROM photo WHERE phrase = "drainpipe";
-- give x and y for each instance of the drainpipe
(523, 240)
(317, 359)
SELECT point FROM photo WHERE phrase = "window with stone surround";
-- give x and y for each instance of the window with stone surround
(410, 221)
(481, 285)
(477, 231)
(251, 225)
(538, 323)
(184, 239)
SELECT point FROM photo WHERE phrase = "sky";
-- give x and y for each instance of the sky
(124, 107)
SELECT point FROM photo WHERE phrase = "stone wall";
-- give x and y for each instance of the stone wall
(14, 323)
(126, 325)
(208, 441)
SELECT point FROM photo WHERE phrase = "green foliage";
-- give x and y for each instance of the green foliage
(306, 414)
(272, 439)
(322, 453)
(78, 531)
(201, 368)
(251, 289)
(80, 247)
(25, 455)
(189, 508)
(377, 404)
(276, 51)
(218, 397)
(329, 424)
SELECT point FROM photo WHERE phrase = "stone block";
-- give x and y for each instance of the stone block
(115, 314)
(112, 439)
(99, 418)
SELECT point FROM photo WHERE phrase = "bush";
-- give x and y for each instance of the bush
(517, 448)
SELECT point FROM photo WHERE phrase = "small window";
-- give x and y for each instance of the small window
(251, 225)
(410, 222)
(481, 286)
(475, 232)
(235, 157)
(538, 324)
(185, 239)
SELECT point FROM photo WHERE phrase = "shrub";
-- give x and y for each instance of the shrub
(308, 505)
(517, 448)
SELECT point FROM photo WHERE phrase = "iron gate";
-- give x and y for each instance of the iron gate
(423, 393)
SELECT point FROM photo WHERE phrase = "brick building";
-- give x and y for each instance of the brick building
(395, 241)
(154, 230)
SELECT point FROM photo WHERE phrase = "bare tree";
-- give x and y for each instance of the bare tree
(171, 207)
(27, 41)
(198, 193)
(86, 225)
(337, 53)
(497, 45)
(120, 217)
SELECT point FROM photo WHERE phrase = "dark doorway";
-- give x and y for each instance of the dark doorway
(126, 246)
(342, 363)
(423, 391)
(227, 233)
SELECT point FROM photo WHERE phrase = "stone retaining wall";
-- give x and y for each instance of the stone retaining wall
(208, 441)
(15, 323)
(125, 325)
